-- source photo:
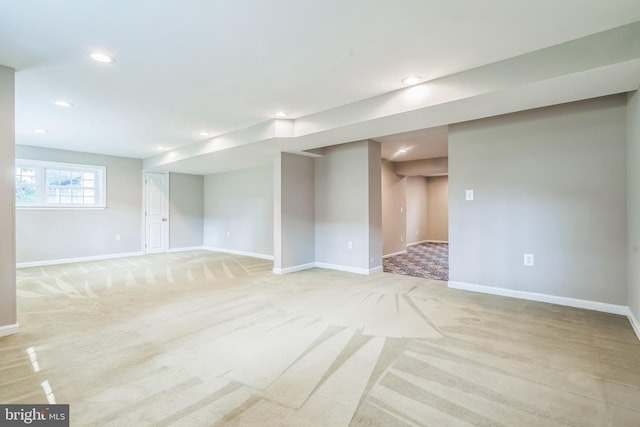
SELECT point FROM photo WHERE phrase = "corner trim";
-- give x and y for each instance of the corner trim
(397, 253)
(192, 248)
(236, 252)
(533, 296)
(9, 329)
(634, 322)
(294, 268)
(79, 259)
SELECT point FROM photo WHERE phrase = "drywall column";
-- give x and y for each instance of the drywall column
(8, 311)
(348, 208)
(549, 182)
(394, 210)
(633, 208)
(417, 209)
(294, 213)
(438, 209)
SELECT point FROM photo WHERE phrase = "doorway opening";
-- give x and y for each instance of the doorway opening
(415, 203)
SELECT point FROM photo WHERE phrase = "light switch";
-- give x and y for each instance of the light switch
(469, 195)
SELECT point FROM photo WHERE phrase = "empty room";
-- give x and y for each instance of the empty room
(204, 205)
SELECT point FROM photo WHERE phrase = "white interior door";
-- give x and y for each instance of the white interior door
(156, 212)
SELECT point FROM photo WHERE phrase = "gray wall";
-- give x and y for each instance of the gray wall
(240, 203)
(417, 209)
(551, 182)
(294, 211)
(438, 211)
(394, 210)
(348, 206)
(43, 235)
(8, 315)
(186, 210)
(633, 201)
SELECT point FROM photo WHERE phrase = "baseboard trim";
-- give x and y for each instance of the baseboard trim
(79, 259)
(236, 252)
(294, 268)
(9, 330)
(427, 241)
(348, 269)
(571, 302)
(395, 253)
(634, 322)
(192, 248)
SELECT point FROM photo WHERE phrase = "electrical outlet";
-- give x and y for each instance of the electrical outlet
(528, 260)
(401, 238)
(349, 244)
(469, 195)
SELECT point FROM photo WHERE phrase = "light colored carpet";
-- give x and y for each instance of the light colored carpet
(209, 339)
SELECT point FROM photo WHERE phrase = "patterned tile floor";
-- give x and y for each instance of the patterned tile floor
(427, 260)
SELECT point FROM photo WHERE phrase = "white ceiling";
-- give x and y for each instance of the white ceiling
(416, 145)
(217, 65)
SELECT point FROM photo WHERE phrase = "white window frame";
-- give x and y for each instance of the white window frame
(42, 186)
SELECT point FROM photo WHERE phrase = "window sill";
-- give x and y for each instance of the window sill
(61, 208)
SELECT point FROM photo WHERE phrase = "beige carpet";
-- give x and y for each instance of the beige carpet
(207, 339)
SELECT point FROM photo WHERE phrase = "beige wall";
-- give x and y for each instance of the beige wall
(633, 201)
(240, 203)
(186, 210)
(49, 235)
(550, 182)
(8, 314)
(394, 210)
(417, 209)
(438, 209)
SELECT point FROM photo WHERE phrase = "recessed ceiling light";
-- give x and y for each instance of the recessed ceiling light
(281, 114)
(204, 133)
(411, 80)
(102, 57)
(40, 131)
(402, 150)
(63, 104)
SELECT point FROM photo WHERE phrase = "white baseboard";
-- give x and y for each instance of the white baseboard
(79, 259)
(348, 269)
(236, 252)
(294, 268)
(192, 248)
(416, 243)
(634, 322)
(571, 302)
(9, 330)
(437, 241)
(395, 253)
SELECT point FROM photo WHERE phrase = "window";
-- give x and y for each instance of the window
(59, 185)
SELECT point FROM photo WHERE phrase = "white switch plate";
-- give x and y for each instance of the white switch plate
(349, 244)
(469, 195)
(528, 260)
(118, 236)
(228, 234)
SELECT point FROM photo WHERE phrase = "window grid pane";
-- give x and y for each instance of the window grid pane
(71, 187)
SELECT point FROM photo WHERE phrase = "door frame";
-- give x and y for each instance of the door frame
(165, 227)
